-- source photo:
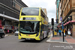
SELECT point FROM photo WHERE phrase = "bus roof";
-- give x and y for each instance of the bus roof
(31, 7)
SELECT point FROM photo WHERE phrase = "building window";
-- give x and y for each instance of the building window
(13, 3)
(68, 6)
(16, 5)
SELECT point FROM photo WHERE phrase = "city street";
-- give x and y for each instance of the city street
(37, 19)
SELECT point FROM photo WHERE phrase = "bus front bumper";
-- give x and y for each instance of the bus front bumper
(28, 37)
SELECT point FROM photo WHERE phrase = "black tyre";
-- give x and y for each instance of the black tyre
(2, 36)
(42, 37)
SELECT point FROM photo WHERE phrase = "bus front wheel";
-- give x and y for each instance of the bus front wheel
(42, 37)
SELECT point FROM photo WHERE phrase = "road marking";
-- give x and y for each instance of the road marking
(49, 46)
(49, 35)
(49, 38)
(71, 46)
(6, 35)
(9, 35)
(59, 42)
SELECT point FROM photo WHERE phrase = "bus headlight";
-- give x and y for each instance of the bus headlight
(20, 18)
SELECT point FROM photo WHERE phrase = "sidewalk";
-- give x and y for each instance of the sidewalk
(67, 39)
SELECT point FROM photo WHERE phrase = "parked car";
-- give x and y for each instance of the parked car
(16, 33)
(2, 34)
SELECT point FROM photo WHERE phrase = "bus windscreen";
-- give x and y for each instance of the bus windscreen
(29, 26)
(30, 11)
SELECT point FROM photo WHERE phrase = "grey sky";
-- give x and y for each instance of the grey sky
(48, 4)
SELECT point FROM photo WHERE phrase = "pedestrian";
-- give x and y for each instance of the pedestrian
(57, 31)
(69, 32)
(48, 29)
(60, 32)
(8, 31)
(66, 32)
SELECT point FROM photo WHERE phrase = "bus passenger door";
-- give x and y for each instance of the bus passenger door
(42, 29)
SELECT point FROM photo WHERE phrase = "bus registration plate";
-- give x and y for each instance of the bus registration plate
(28, 38)
(27, 35)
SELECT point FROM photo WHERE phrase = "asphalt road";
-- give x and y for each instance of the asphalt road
(13, 43)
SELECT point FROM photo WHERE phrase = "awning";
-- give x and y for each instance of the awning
(72, 21)
(66, 23)
(69, 22)
(9, 17)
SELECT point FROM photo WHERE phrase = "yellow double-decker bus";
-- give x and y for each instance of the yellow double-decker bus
(33, 24)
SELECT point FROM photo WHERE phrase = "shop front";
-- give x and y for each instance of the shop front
(7, 23)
